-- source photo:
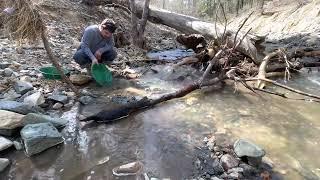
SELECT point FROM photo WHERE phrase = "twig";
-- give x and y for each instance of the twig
(206, 73)
(284, 87)
(215, 25)
(238, 44)
(284, 95)
(244, 22)
(225, 20)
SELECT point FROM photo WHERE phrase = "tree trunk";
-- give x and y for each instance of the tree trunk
(56, 63)
(138, 25)
(192, 25)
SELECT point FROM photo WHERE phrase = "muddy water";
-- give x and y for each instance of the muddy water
(164, 137)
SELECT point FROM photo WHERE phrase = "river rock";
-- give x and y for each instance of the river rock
(39, 137)
(248, 170)
(34, 99)
(247, 148)
(25, 78)
(8, 72)
(57, 106)
(18, 107)
(4, 65)
(80, 79)
(17, 145)
(86, 100)
(215, 178)
(234, 175)
(33, 118)
(59, 98)
(9, 121)
(251, 151)
(22, 87)
(11, 95)
(3, 163)
(228, 162)
(1, 72)
(5, 143)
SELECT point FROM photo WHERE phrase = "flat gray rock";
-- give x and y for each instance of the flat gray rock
(246, 148)
(5, 143)
(39, 137)
(18, 107)
(59, 98)
(33, 118)
(3, 163)
(22, 87)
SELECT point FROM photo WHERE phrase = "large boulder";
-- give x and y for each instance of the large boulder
(5, 143)
(9, 121)
(246, 149)
(39, 137)
(22, 87)
(18, 107)
(3, 163)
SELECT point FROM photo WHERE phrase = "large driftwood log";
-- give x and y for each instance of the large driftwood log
(192, 25)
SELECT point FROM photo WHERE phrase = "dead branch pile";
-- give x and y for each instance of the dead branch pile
(25, 22)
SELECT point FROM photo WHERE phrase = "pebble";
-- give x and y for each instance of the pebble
(57, 106)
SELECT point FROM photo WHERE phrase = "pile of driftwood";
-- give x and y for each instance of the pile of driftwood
(228, 56)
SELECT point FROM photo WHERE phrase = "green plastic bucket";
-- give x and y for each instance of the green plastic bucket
(51, 72)
(101, 74)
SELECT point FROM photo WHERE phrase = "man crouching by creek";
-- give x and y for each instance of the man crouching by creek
(97, 45)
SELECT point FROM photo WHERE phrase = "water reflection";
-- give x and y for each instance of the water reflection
(164, 137)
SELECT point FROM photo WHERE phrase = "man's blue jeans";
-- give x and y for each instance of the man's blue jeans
(83, 60)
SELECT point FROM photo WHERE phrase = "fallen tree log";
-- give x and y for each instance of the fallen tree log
(192, 25)
(110, 115)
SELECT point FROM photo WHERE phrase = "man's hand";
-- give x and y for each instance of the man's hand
(95, 61)
(98, 54)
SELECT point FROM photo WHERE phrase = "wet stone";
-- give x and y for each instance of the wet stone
(5, 143)
(33, 118)
(39, 137)
(3, 163)
(247, 148)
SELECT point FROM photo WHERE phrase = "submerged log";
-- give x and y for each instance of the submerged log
(111, 115)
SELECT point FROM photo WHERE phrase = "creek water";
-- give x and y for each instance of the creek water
(164, 137)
